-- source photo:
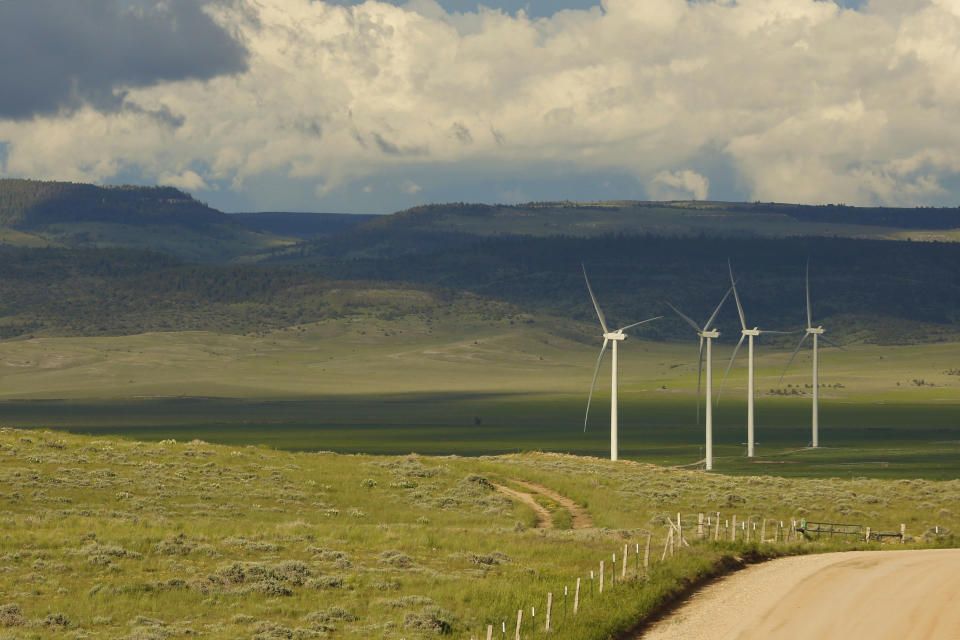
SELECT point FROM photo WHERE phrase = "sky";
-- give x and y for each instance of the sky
(374, 107)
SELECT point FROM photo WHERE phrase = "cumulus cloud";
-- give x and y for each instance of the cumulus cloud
(679, 185)
(803, 100)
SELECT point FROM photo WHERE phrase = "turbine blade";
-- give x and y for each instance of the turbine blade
(832, 344)
(793, 356)
(699, 374)
(730, 366)
(593, 384)
(809, 314)
(629, 326)
(778, 332)
(685, 317)
(603, 319)
(706, 327)
(743, 321)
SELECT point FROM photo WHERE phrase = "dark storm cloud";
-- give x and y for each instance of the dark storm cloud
(56, 55)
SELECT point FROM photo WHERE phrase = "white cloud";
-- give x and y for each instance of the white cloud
(806, 101)
(679, 185)
(410, 187)
(187, 180)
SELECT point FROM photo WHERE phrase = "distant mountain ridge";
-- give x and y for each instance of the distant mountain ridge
(31, 204)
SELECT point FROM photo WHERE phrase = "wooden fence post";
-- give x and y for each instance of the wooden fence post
(623, 574)
(576, 598)
(903, 533)
(716, 532)
(666, 545)
(700, 526)
(747, 528)
(733, 530)
(601, 576)
(549, 609)
(646, 552)
(519, 621)
(868, 534)
(763, 531)
(489, 632)
(679, 531)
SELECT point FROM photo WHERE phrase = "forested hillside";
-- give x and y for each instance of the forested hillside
(63, 214)
(114, 292)
(882, 291)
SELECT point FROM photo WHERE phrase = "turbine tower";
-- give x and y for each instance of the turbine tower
(751, 334)
(706, 334)
(817, 333)
(609, 337)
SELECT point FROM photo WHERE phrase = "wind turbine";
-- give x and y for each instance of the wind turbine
(751, 334)
(609, 337)
(817, 333)
(708, 334)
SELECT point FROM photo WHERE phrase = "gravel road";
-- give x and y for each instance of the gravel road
(870, 595)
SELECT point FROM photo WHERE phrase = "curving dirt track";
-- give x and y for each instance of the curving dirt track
(871, 595)
(544, 519)
(579, 517)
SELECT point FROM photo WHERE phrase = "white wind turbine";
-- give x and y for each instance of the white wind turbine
(609, 337)
(707, 334)
(817, 333)
(751, 334)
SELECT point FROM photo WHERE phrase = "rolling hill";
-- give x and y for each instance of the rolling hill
(164, 219)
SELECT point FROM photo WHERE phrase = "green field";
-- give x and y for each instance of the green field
(110, 538)
(409, 386)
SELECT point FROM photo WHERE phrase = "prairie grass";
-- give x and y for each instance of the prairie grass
(112, 538)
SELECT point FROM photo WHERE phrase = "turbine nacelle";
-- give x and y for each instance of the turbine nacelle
(713, 333)
(751, 332)
(615, 335)
(815, 330)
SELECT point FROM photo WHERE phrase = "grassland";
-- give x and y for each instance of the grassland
(108, 538)
(393, 387)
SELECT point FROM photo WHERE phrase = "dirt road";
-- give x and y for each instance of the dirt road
(580, 518)
(875, 595)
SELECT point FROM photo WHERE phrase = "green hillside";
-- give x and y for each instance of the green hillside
(62, 214)
(431, 227)
(111, 538)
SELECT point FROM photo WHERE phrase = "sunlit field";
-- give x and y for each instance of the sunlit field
(407, 386)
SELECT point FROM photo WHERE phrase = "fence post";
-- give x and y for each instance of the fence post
(576, 598)
(549, 609)
(623, 574)
(601, 576)
(903, 533)
(763, 531)
(646, 552)
(716, 532)
(733, 530)
(666, 545)
(747, 528)
(489, 632)
(679, 531)
(868, 534)
(613, 571)
(700, 526)
(519, 621)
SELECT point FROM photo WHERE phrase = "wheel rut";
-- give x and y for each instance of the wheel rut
(579, 516)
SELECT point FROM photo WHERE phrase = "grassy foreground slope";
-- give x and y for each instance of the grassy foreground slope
(107, 538)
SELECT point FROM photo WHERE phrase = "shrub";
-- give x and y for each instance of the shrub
(396, 558)
(10, 615)
(430, 620)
